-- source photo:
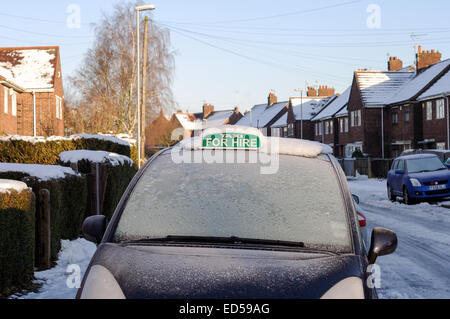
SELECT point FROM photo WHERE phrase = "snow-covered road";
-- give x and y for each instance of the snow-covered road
(420, 267)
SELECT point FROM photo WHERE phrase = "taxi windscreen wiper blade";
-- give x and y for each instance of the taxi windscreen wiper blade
(215, 240)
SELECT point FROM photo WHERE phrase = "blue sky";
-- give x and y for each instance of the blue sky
(235, 52)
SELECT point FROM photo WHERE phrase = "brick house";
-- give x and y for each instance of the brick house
(31, 91)
(369, 96)
(435, 115)
(297, 123)
(331, 129)
(196, 122)
(263, 116)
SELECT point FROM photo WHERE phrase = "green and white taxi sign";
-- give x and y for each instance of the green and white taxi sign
(236, 141)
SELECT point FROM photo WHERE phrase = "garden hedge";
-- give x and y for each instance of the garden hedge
(28, 150)
(17, 241)
(119, 176)
(68, 197)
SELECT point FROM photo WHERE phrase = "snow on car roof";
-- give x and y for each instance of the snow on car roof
(269, 145)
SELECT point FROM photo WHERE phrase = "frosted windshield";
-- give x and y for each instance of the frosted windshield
(302, 202)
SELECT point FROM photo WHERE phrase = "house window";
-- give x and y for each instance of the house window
(341, 125)
(331, 127)
(346, 124)
(275, 131)
(406, 113)
(326, 127)
(356, 118)
(395, 117)
(440, 114)
(317, 129)
(58, 108)
(429, 111)
(5, 99)
(440, 146)
(291, 129)
(285, 131)
(320, 128)
(14, 104)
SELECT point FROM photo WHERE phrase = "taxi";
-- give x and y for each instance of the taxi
(233, 214)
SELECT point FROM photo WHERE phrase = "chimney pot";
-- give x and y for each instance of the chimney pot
(420, 49)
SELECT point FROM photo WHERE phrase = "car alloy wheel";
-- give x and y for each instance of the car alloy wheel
(391, 196)
(406, 199)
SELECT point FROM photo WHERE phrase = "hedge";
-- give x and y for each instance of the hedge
(68, 198)
(17, 241)
(28, 150)
(119, 176)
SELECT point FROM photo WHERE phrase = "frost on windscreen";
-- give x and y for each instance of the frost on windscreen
(301, 203)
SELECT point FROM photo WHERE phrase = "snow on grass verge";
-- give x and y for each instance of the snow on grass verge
(54, 281)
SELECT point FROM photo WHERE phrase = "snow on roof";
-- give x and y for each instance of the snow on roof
(188, 122)
(310, 107)
(378, 86)
(262, 114)
(335, 106)
(418, 83)
(7, 185)
(441, 87)
(95, 157)
(218, 118)
(282, 121)
(342, 112)
(269, 145)
(42, 172)
(31, 68)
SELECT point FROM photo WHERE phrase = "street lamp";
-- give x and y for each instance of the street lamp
(146, 7)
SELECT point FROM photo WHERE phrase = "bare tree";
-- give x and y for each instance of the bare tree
(105, 83)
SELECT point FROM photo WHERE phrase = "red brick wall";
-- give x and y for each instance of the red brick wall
(8, 122)
(436, 128)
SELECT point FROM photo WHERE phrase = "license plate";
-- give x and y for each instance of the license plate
(437, 187)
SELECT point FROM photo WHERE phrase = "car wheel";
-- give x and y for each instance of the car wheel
(406, 198)
(391, 196)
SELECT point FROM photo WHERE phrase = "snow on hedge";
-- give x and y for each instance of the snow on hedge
(94, 157)
(42, 172)
(121, 139)
(7, 185)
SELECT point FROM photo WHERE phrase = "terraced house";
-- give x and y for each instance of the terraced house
(31, 91)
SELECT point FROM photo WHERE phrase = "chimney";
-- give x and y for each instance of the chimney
(236, 110)
(325, 91)
(395, 64)
(311, 91)
(272, 99)
(207, 110)
(427, 58)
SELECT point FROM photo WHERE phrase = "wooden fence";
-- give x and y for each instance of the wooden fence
(372, 167)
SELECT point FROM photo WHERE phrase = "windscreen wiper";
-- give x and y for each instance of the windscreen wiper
(215, 240)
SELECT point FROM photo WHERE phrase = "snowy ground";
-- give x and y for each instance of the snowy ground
(54, 281)
(420, 267)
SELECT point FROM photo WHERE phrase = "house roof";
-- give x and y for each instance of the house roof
(413, 87)
(343, 111)
(190, 121)
(377, 87)
(309, 108)
(334, 107)
(218, 118)
(439, 88)
(281, 122)
(261, 114)
(31, 67)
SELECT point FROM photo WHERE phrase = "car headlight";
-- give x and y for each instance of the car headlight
(349, 288)
(101, 284)
(415, 182)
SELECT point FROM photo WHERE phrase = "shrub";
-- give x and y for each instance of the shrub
(17, 241)
(121, 171)
(68, 196)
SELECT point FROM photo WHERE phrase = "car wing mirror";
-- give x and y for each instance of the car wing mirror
(94, 228)
(355, 198)
(383, 242)
(399, 172)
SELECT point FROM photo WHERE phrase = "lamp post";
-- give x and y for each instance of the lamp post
(301, 111)
(138, 11)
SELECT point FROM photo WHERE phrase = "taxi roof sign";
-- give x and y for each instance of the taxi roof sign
(234, 140)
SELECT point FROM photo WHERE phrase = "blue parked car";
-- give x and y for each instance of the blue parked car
(418, 177)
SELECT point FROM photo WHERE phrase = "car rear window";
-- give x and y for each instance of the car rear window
(302, 202)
